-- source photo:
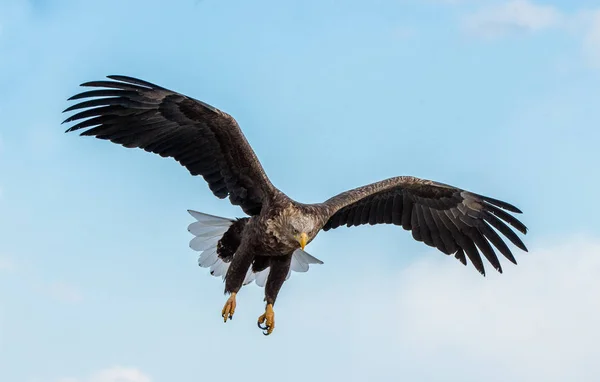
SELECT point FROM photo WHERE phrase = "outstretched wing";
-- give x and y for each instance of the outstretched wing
(454, 221)
(207, 141)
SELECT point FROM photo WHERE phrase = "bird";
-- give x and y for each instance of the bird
(267, 244)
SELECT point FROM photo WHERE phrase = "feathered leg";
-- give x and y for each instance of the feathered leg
(280, 266)
(234, 279)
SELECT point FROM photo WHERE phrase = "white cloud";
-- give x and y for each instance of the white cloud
(537, 321)
(518, 16)
(514, 16)
(114, 374)
(65, 292)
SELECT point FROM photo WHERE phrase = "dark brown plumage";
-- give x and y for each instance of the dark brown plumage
(266, 246)
(452, 220)
(231, 239)
(205, 140)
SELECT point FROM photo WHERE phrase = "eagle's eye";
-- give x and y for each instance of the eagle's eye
(295, 230)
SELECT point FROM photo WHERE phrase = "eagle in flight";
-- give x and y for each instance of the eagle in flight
(267, 244)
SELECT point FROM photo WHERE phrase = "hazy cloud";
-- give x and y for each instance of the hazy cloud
(404, 32)
(1, 149)
(523, 16)
(6, 263)
(114, 374)
(591, 41)
(537, 321)
(65, 292)
(514, 16)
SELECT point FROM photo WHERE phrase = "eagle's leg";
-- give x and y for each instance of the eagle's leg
(280, 266)
(229, 308)
(234, 278)
(268, 318)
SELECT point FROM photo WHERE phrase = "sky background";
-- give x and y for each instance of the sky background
(98, 284)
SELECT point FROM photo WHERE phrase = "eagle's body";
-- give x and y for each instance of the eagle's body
(268, 244)
(265, 241)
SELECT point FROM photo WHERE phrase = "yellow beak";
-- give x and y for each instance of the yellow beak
(303, 239)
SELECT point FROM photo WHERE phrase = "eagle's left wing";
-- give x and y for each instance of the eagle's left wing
(451, 219)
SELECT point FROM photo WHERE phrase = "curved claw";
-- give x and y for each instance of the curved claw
(260, 325)
(229, 308)
(268, 318)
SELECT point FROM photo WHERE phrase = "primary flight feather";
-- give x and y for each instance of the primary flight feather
(268, 244)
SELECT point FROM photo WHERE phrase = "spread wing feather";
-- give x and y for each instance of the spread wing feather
(450, 219)
(207, 141)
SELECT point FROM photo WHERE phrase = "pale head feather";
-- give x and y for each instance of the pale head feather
(292, 222)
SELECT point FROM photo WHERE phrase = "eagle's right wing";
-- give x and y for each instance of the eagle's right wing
(207, 141)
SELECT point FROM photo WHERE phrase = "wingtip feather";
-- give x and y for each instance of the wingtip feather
(89, 84)
(133, 80)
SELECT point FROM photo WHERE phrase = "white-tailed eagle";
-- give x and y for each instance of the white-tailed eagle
(269, 243)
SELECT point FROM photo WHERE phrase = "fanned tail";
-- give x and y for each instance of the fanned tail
(209, 230)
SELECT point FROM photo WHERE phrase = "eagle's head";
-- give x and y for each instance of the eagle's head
(295, 228)
(302, 229)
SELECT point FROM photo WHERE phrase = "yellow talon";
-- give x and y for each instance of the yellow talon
(269, 319)
(229, 308)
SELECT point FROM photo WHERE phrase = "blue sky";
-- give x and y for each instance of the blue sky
(98, 284)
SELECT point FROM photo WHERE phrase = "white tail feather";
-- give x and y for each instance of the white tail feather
(210, 219)
(219, 269)
(200, 229)
(208, 258)
(202, 243)
(305, 257)
(261, 277)
(297, 265)
(208, 230)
